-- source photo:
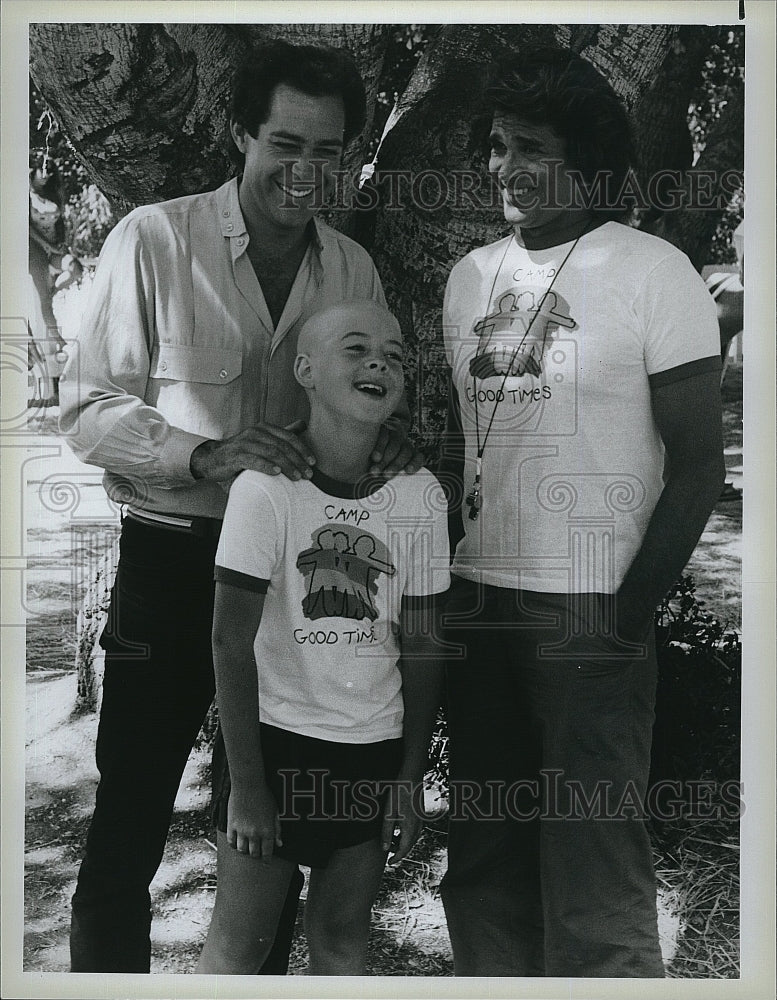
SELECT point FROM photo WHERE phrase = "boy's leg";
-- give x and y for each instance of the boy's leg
(277, 962)
(250, 898)
(338, 910)
(491, 891)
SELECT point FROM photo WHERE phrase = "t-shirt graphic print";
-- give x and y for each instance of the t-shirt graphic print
(341, 570)
(514, 337)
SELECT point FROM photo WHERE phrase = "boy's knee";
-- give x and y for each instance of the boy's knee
(339, 928)
(236, 954)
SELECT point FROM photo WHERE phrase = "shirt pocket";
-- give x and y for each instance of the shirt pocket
(197, 389)
(187, 363)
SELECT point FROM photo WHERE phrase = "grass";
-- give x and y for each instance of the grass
(703, 861)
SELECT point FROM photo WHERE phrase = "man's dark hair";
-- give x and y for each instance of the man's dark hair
(319, 71)
(557, 87)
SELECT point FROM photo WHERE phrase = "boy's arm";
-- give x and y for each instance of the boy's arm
(421, 666)
(252, 818)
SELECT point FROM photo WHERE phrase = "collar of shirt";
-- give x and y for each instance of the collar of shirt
(322, 251)
(233, 225)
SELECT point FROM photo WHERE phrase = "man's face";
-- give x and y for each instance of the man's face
(289, 166)
(528, 162)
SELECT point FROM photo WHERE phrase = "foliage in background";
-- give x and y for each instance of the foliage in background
(696, 739)
(406, 45)
(88, 215)
(698, 702)
(724, 69)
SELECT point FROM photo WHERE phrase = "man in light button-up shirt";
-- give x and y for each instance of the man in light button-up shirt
(182, 378)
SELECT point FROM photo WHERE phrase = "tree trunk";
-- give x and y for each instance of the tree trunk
(91, 620)
(711, 184)
(145, 105)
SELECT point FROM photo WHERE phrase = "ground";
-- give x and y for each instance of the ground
(409, 934)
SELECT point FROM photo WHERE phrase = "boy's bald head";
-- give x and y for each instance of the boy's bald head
(346, 317)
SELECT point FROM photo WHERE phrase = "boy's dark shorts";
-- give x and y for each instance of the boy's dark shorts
(330, 795)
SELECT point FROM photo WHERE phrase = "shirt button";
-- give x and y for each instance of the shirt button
(225, 213)
(163, 366)
(223, 373)
(349, 684)
(240, 242)
(229, 227)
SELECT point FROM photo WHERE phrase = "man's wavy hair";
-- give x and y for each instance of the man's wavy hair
(557, 87)
(316, 70)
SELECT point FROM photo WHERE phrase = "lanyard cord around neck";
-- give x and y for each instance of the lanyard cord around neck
(474, 500)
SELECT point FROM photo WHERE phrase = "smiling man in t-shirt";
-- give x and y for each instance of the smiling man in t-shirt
(586, 435)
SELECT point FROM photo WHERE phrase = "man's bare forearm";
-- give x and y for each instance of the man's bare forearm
(675, 527)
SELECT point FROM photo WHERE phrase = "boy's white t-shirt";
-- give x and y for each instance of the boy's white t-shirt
(573, 464)
(336, 570)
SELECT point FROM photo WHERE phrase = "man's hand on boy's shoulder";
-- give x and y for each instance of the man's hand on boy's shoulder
(394, 452)
(263, 447)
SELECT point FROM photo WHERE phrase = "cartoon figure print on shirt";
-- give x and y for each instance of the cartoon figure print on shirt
(341, 568)
(513, 338)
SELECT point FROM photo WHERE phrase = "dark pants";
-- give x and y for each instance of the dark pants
(157, 688)
(550, 865)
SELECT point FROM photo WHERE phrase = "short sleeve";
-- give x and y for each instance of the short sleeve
(251, 536)
(680, 319)
(429, 552)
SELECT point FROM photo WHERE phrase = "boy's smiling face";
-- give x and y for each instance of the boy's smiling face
(350, 361)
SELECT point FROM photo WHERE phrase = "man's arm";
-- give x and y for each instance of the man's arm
(688, 416)
(422, 670)
(252, 815)
(104, 415)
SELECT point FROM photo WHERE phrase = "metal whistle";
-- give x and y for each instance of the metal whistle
(474, 502)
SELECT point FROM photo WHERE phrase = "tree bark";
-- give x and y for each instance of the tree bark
(711, 184)
(145, 105)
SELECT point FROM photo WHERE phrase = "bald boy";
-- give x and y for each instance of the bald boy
(327, 670)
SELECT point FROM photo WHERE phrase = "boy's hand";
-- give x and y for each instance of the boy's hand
(393, 451)
(400, 816)
(253, 826)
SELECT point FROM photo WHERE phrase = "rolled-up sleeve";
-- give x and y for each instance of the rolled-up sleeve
(103, 413)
